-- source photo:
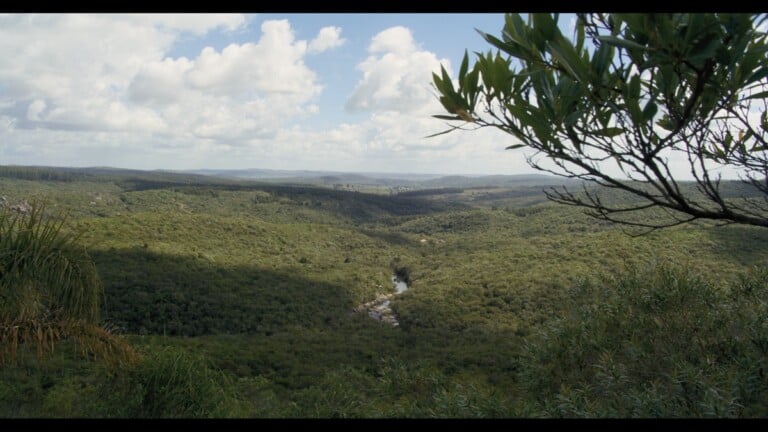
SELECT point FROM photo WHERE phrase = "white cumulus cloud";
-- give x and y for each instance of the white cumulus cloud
(327, 38)
(71, 71)
(395, 90)
(272, 65)
(108, 90)
(95, 72)
(243, 90)
(396, 74)
(195, 23)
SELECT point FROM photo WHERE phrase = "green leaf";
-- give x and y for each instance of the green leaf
(447, 81)
(579, 35)
(666, 123)
(515, 47)
(761, 95)
(471, 87)
(484, 66)
(602, 59)
(545, 24)
(571, 118)
(702, 53)
(694, 25)
(635, 113)
(439, 133)
(620, 42)
(448, 104)
(610, 132)
(501, 75)
(667, 80)
(464, 66)
(758, 75)
(446, 117)
(565, 54)
(515, 26)
(444, 84)
(650, 110)
(438, 82)
(727, 142)
(514, 146)
(633, 90)
(539, 125)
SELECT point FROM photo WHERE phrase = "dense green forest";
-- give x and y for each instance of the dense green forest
(242, 299)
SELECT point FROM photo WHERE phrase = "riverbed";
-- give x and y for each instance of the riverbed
(379, 309)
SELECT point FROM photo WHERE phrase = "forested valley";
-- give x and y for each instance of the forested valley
(242, 298)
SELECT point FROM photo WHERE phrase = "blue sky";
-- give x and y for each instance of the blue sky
(346, 92)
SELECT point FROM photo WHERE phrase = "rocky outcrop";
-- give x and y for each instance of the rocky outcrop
(379, 308)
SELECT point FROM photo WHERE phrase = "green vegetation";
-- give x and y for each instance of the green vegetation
(49, 289)
(656, 341)
(239, 298)
(617, 101)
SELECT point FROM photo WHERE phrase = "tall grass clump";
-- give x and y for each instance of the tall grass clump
(170, 383)
(49, 289)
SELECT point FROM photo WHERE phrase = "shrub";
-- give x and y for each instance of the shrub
(171, 383)
(657, 340)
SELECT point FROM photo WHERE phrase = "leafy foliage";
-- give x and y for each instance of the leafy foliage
(165, 382)
(625, 99)
(170, 383)
(49, 288)
(656, 341)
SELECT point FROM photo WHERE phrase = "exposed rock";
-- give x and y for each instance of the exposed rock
(379, 309)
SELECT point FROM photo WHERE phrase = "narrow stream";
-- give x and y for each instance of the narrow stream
(379, 309)
(400, 285)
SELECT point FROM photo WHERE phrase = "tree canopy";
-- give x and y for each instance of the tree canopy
(659, 106)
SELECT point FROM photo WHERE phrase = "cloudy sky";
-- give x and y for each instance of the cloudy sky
(347, 92)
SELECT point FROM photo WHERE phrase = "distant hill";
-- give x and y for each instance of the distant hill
(327, 179)
(312, 176)
(303, 177)
(411, 180)
(497, 181)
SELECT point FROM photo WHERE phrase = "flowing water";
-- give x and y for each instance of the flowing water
(379, 309)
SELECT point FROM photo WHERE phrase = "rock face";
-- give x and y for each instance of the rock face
(379, 309)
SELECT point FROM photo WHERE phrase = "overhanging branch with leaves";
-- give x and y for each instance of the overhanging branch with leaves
(619, 101)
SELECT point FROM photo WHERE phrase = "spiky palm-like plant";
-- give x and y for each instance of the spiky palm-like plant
(49, 289)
